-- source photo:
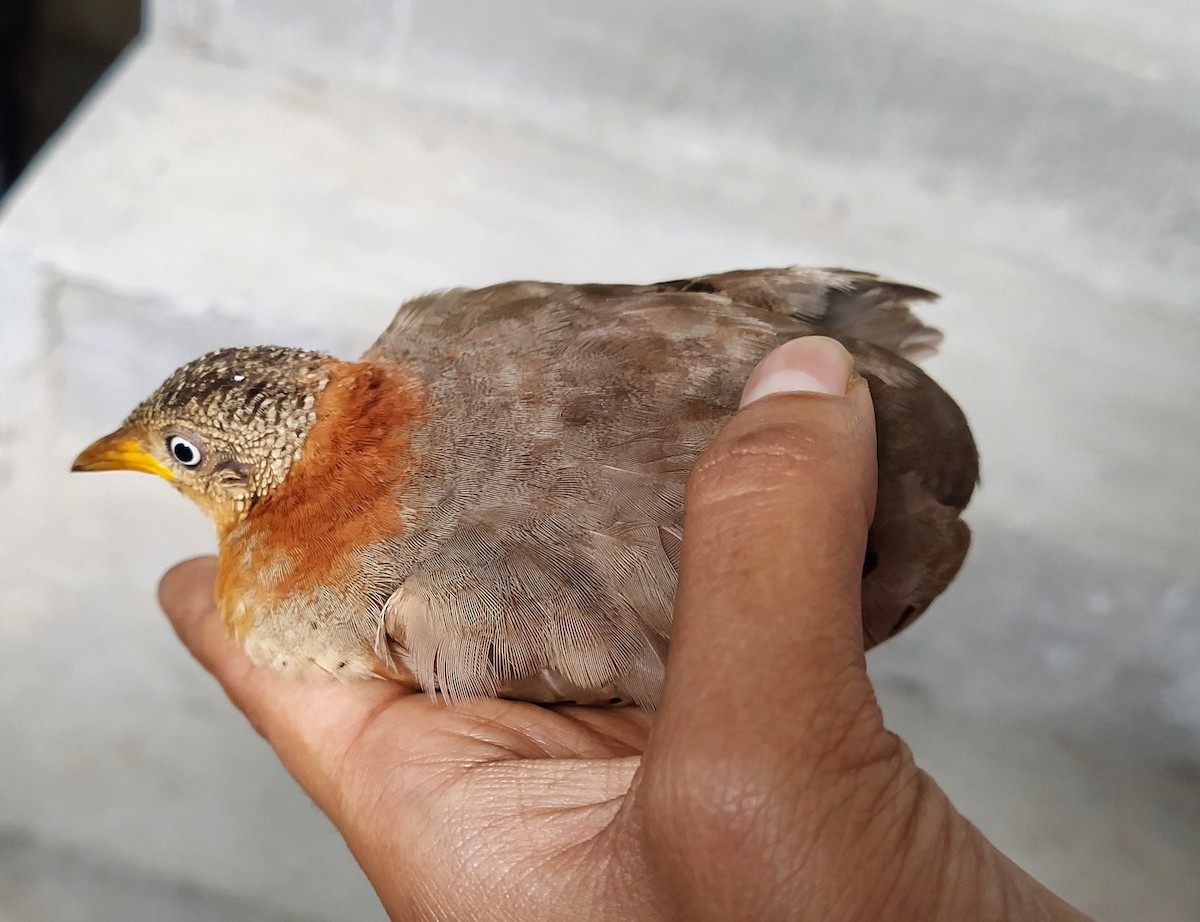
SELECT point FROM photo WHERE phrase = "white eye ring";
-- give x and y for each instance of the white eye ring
(185, 452)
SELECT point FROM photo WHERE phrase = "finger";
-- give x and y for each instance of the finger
(767, 640)
(766, 694)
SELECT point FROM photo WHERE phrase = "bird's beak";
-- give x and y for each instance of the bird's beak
(119, 451)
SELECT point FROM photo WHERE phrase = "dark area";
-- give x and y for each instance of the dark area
(52, 52)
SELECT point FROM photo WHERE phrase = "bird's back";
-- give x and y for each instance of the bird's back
(544, 514)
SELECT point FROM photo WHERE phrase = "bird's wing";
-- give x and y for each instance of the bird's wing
(531, 608)
(543, 529)
(857, 304)
(860, 305)
(567, 419)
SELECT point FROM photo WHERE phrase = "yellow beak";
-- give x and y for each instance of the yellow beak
(118, 451)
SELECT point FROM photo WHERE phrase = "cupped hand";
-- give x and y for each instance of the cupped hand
(764, 787)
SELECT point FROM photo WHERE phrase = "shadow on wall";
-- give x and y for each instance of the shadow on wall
(52, 52)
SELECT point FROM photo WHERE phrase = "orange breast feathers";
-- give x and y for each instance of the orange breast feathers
(338, 497)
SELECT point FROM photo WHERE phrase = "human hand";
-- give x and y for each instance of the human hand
(764, 787)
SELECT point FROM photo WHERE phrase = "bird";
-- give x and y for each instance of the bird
(489, 501)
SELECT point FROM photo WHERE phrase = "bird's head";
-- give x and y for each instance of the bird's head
(223, 429)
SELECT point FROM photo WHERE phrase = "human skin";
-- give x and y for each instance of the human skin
(765, 786)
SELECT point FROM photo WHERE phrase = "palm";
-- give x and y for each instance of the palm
(404, 726)
(479, 790)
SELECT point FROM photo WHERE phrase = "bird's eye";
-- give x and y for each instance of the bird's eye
(185, 452)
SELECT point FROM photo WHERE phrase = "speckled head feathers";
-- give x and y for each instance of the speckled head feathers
(248, 387)
(224, 428)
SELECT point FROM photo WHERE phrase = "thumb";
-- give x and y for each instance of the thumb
(769, 787)
(767, 718)
(767, 641)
